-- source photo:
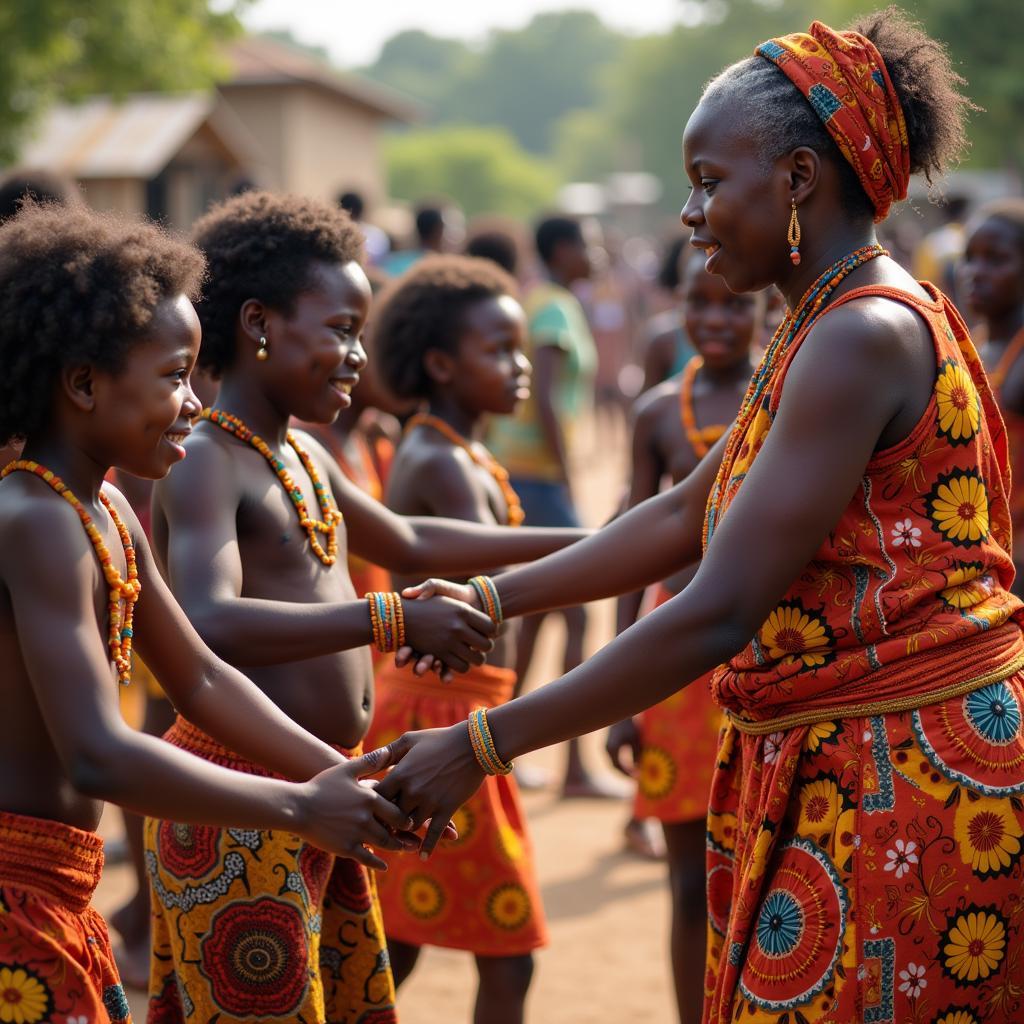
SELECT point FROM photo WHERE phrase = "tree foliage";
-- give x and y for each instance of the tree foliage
(62, 49)
(484, 169)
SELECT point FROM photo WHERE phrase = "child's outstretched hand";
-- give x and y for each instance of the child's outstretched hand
(442, 630)
(425, 662)
(339, 814)
(623, 736)
(437, 774)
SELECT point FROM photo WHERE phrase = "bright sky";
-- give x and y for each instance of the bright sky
(354, 30)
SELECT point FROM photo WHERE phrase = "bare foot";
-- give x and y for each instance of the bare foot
(644, 839)
(595, 787)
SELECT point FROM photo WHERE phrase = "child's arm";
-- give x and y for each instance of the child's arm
(53, 577)
(414, 545)
(199, 501)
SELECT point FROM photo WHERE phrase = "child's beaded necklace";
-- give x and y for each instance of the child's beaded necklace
(797, 321)
(329, 525)
(487, 461)
(701, 438)
(122, 591)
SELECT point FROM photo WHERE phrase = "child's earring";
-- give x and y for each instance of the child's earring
(793, 236)
(262, 352)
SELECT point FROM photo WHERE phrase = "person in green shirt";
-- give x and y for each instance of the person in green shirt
(534, 445)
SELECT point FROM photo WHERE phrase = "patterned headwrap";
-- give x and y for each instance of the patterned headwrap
(843, 77)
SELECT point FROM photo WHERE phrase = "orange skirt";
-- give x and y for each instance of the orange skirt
(679, 743)
(56, 963)
(479, 892)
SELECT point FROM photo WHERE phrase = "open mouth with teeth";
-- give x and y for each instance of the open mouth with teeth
(176, 436)
(343, 387)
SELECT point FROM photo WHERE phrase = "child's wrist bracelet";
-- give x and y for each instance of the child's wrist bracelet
(487, 593)
(387, 621)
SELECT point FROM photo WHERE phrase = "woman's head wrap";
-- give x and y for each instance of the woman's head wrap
(843, 77)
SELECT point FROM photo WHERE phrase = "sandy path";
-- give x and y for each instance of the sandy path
(607, 911)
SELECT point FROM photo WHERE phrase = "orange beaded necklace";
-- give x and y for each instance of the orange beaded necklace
(701, 439)
(480, 456)
(329, 525)
(122, 591)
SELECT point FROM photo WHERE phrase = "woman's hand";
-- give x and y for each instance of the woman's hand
(340, 814)
(437, 774)
(425, 663)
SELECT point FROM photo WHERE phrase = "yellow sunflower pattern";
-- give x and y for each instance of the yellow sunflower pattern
(657, 772)
(958, 404)
(988, 835)
(423, 896)
(508, 906)
(957, 1015)
(793, 634)
(967, 584)
(958, 507)
(820, 805)
(974, 944)
(24, 998)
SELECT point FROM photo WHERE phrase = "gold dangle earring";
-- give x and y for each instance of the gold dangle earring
(262, 352)
(793, 236)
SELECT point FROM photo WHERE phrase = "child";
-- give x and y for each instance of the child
(99, 338)
(674, 743)
(451, 335)
(283, 310)
(992, 273)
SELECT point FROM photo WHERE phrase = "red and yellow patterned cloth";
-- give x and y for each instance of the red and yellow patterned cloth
(843, 77)
(261, 925)
(679, 741)
(480, 891)
(56, 964)
(866, 815)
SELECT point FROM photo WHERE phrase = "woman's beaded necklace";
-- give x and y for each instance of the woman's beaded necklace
(122, 591)
(331, 516)
(481, 457)
(701, 438)
(796, 322)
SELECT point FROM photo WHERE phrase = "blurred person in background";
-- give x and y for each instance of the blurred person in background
(992, 284)
(378, 245)
(536, 442)
(439, 228)
(666, 348)
(939, 252)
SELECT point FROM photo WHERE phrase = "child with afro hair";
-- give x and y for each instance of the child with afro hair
(450, 334)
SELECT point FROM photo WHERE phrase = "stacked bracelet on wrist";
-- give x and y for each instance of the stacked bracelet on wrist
(488, 594)
(483, 745)
(387, 621)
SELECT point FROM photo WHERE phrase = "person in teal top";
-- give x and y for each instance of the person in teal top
(535, 444)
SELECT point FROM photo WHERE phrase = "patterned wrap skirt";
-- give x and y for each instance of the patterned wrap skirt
(260, 925)
(870, 868)
(56, 964)
(479, 892)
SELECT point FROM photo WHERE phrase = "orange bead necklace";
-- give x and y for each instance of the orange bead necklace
(331, 516)
(701, 439)
(123, 592)
(483, 458)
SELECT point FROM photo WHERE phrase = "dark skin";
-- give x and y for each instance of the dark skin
(722, 325)
(487, 374)
(239, 561)
(860, 382)
(992, 278)
(69, 748)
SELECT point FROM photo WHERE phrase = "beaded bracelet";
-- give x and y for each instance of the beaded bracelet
(387, 621)
(489, 600)
(484, 750)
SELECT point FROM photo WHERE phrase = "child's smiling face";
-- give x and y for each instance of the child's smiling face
(315, 352)
(143, 412)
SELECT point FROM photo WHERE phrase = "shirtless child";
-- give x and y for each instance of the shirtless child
(282, 312)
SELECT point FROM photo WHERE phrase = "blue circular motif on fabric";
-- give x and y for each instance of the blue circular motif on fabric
(779, 924)
(994, 713)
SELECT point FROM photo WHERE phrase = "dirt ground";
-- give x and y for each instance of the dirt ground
(607, 910)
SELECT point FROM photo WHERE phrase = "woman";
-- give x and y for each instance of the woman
(864, 833)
